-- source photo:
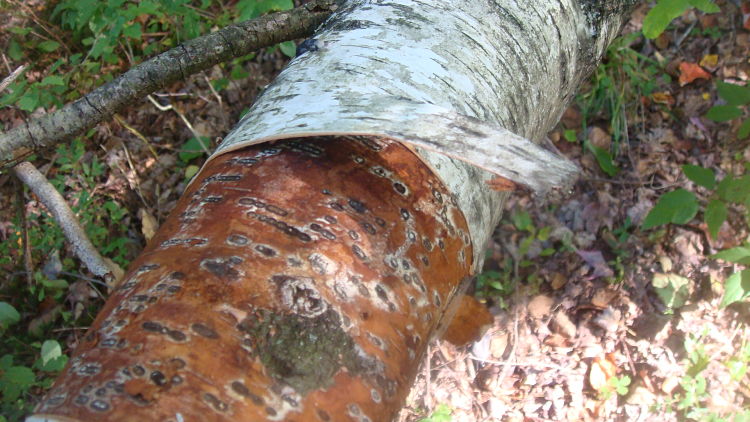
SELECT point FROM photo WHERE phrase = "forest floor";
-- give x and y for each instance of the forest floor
(584, 326)
(595, 318)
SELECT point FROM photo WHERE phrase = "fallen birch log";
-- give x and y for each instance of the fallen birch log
(333, 233)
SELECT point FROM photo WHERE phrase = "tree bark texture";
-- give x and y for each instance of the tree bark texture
(301, 280)
(455, 77)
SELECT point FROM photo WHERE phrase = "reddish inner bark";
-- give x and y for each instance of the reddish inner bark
(296, 281)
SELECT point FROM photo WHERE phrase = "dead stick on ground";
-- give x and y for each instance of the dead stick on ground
(62, 214)
(12, 77)
(178, 63)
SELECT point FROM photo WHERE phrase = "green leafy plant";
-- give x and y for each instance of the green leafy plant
(737, 97)
(499, 283)
(665, 11)
(678, 207)
(442, 413)
(16, 378)
(691, 401)
(681, 206)
(618, 385)
(8, 315)
(616, 87)
(112, 35)
(536, 237)
(104, 27)
(625, 76)
(31, 350)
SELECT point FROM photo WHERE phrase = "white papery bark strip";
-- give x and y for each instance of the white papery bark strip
(448, 76)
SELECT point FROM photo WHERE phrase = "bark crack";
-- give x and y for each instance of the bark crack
(88, 101)
(179, 61)
(31, 136)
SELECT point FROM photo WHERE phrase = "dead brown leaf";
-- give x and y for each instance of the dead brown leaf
(148, 224)
(558, 281)
(540, 306)
(689, 72)
(602, 370)
(564, 325)
(471, 321)
(600, 138)
(602, 297)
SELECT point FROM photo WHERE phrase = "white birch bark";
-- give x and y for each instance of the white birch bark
(456, 78)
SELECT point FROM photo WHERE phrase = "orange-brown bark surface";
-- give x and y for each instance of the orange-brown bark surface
(297, 281)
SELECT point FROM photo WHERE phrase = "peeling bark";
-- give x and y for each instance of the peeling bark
(456, 78)
(301, 280)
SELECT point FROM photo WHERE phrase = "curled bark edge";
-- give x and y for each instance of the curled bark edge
(467, 83)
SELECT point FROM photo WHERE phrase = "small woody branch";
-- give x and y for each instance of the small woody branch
(55, 203)
(178, 63)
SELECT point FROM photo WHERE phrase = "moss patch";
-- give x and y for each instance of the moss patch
(304, 352)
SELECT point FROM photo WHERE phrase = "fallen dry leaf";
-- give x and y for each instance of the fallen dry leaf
(609, 319)
(498, 345)
(540, 306)
(599, 138)
(690, 72)
(602, 369)
(602, 297)
(564, 325)
(663, 40)
(669, 384)
(148, 224)
(663, 98)
(595, 260)
(558, 281)
(471, 321)
(710, 61)
(117, 272)
(666, 263)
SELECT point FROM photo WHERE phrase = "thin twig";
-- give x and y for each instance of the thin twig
(512, 355)
(213, 91)
(84, 278)
(185, 120)
(684, 35)
(136, 183)
(5, 62)
(55, 203)
(520, 364)
(137, 134)
(12, 77)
